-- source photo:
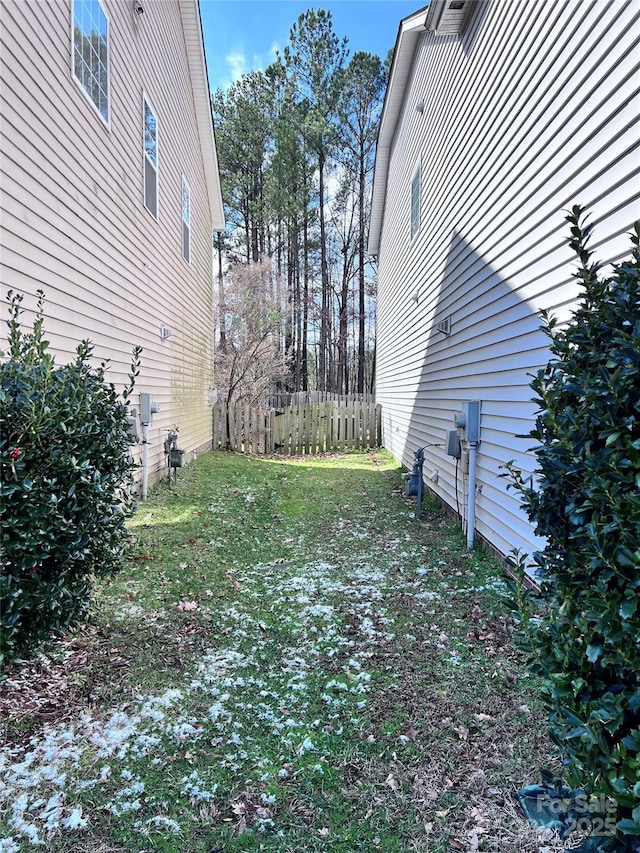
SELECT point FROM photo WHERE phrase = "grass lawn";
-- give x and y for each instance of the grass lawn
(290, 663)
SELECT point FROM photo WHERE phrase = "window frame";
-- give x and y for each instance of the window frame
(106, 120)
(415, 212)
(186, 223)
(147, 104)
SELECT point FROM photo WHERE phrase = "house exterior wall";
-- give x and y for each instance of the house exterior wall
(74, 222)
(533, 109)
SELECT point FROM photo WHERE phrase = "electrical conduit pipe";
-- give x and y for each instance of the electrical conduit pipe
(471, 501)
(145, 460)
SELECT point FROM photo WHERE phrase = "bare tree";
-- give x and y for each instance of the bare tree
(253, 358)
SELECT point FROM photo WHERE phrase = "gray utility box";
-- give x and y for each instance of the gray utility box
(470, 421)
(175, 457)
(148, 408)
(453, 444)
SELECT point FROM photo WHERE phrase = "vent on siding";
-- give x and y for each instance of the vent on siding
(448, 17)
(444, 326)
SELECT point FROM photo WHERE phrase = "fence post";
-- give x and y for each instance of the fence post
(226, 438)
(215, 420)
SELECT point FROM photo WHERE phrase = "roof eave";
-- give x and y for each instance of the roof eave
(194, 41)
(408, 35)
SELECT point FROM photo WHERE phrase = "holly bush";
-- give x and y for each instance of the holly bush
(585, 502)
(65, 477)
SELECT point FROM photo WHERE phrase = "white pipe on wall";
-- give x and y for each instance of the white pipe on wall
(471, 497)
(145, 460)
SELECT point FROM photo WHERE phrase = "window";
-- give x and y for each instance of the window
(150, 160)
(186, 222)
(91, 53)
(415, 202)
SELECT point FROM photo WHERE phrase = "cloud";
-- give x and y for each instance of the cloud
(237, 63)
(274, 50)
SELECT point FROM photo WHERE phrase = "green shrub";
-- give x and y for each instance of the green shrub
(586, 503)
(65, 474)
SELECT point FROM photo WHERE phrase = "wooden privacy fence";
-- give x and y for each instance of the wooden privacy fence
(278, 400)
(297, 430)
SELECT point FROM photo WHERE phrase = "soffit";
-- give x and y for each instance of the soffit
(194, 41)
(407, 40)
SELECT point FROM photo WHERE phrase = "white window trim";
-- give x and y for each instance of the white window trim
(184, 184)
(417, 173)
(106, 121)
(146, 100)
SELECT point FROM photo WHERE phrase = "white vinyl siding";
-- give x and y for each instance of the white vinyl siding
(533, 110)
(72, 206)
(150, 147)
(90, 53)
(186, 221)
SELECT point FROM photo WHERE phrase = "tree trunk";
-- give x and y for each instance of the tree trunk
(361, 300)
(324, 311)
(342, 386)
(305, 298)
(221, 309)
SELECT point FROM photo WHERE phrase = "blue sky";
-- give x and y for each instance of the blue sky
(243, 35)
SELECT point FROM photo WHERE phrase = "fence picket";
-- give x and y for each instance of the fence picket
(306, 443)
(335, 425)
(316, 443)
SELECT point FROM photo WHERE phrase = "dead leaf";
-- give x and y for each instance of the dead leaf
(462, 731)
(392, 782)
(187, 605)
(324, 832)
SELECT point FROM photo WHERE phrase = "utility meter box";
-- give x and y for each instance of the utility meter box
(471, 411)
(148, 408)
(467, 421)
(133, 422)
(453, 444)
